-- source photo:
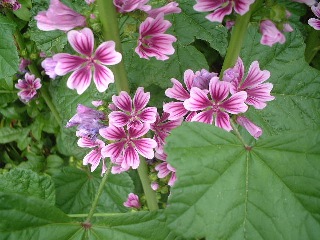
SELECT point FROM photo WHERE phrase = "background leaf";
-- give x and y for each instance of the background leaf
(28, 183)
(9, 60)
(8, 134)
(76, 189)
(268, 192)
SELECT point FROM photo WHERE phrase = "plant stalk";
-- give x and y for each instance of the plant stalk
(98, 194)
(151, 196)
(237, 37)
(110, 29)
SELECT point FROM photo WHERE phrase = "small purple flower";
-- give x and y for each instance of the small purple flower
(270, 33)
(88, 122)
(222, 8)
(124, 6)
(313, 22)
(128, 144)
(219, 105)
(253, 129)
(59, 17)
(133, 113)
(176, 109)
(132, 201)
(28, 87)
(94, 157)
(258, 92)
(164, 169)
(82, 66)
(162, 128)
(153, 42)
(167, 9)
(49, 65)
(23, 64)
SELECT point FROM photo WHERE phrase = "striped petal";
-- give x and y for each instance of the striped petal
(80, 79)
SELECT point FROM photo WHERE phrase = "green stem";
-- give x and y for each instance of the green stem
(237, 37)
(98, 194)
(312, 45)
(110, 29)
(151, 196)
(109, 20)
(236, 131)
(34, 70)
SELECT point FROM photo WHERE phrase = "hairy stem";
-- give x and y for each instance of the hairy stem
(236, 131)
(146, 185)
(98, 194)
(110, 29)
(237, 37)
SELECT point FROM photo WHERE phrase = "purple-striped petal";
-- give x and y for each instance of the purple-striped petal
(162, 169)
(85, 142)
(219, 90)
(67, 63)
(198, 100)
(123, 101)
(260, 94)
(130, 158)
(113, 133)
(148, 115)
(188, 77)
(145, 147)
(175, 109)
(316, 10)
(205, 117)
(315, 23)
(242, 6)
(118, 119)
(220, 13)
(255, 76)
(177, 91)
(140, 99)
(82, 41)
(102, 77)
(139, 132)
(93, 158)
(223, 121)
(253, 129)
(235, 104)
(106, 53)
(80, 79)
(113, 150)
(206, 5)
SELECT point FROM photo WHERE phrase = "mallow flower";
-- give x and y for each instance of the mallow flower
(28, 87)
(59, 17)
(124, 6)
(89, 64)
(153, 42)
(132, 201)
(222, 8)
(314, 22)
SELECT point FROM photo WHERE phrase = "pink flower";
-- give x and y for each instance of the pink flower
(270, 33)
(164, 169)
(124, 6)
(133, 113)
(257, 91)
(59, 17)
(28, 87)
(176, 109)
(162, 128)
(221, 8)
(154, 186)
(132, 201)
(218, 106)
(49, 66)
(167, 9)
(83, 42)
(253, 129)
(128, 144)
(94, 157)
(313, 22)
(153, 42)
(23, 64)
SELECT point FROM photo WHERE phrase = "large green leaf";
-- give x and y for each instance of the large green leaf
(296, 84)
(8, 134)
(190, 24)
(227, 191)
(28, 183)
(32, 218)
(9, 60)
(76, 189)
